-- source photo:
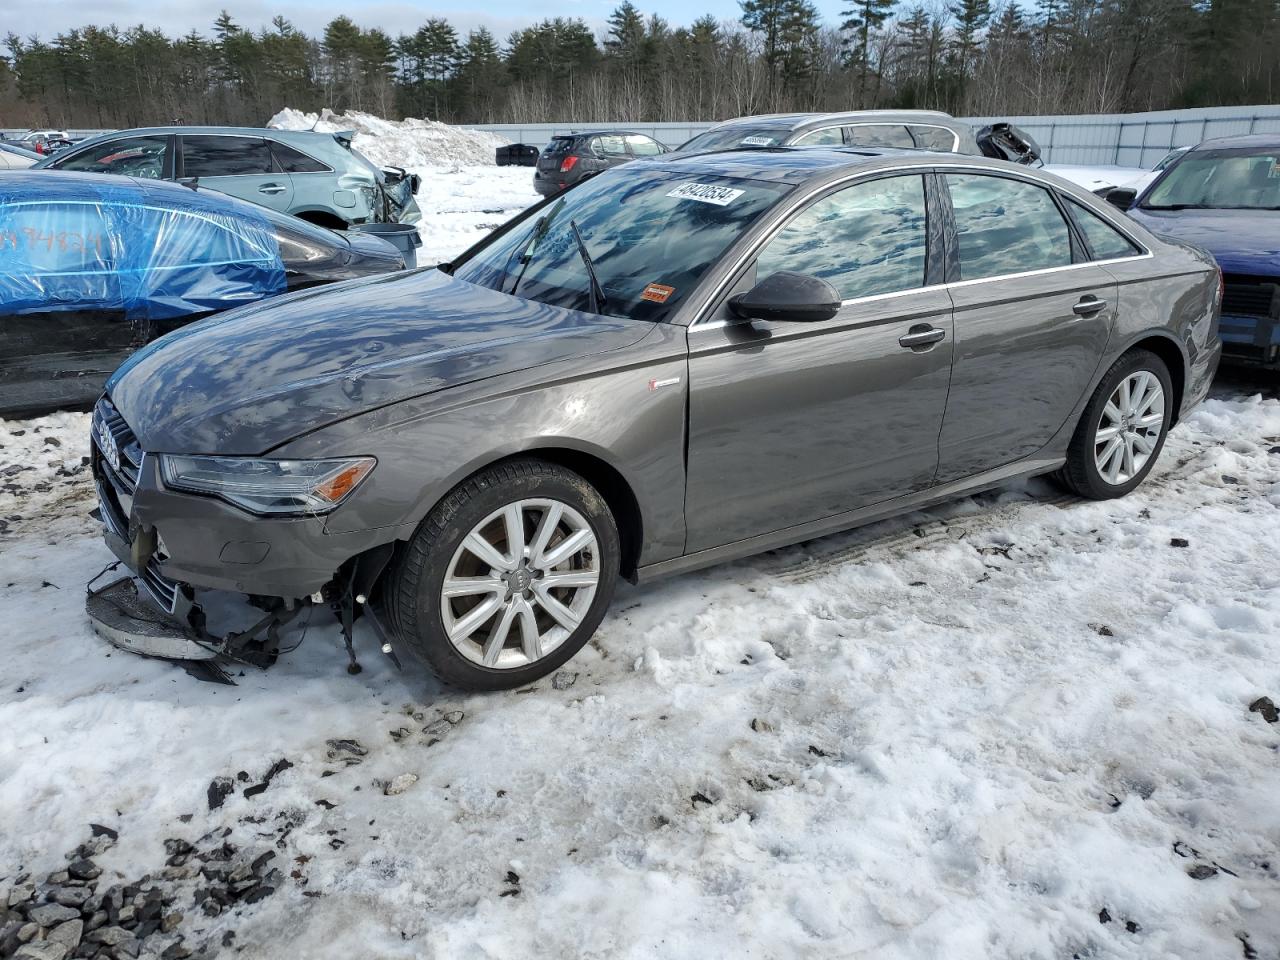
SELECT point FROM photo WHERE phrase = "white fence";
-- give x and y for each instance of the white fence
(1121, 139)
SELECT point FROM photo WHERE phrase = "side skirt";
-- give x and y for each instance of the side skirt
(845, 521)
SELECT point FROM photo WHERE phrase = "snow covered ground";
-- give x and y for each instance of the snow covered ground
(975, 732)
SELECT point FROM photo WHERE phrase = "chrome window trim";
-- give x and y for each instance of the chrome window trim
(922, 169)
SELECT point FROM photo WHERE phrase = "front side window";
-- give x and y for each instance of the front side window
(1105, 241)
(828, 137)
(1231, 179)
(879, 135)
(129, 156)
(650, 237)
(867, 239)
(225, 156)
(642, 146)
(1006, 226)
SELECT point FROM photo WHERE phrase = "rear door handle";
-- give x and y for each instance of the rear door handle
(271, 188)
(1088, 306)
(921, 337)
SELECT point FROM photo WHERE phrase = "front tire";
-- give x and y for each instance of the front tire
(1122, 430)
(507, 577)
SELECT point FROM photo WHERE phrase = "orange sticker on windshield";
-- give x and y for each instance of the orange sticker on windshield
(657, 292)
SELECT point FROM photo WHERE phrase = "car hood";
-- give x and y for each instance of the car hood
(1242, 241)
(249, 380)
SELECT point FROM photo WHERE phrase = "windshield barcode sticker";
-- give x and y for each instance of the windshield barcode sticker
(757, 141)
(706, 193)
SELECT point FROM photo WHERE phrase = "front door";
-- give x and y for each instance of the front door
(792, 422)
(1032, 318)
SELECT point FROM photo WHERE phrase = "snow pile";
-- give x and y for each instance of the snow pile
(400, 143)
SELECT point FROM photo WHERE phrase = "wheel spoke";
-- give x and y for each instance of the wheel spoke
(1108, 452)
(546, 529)
(1128, 457)
(474, 618)
(530, 638)
(498, 636)
(1155, 396)
(1125, 399)
(1105, 434)
(571, 578)
(1144, 443)
(513, 520)
(562, 614)
(566, 548)
(486, 551)
(1151, 420)
(471, 586)
(1112, 412)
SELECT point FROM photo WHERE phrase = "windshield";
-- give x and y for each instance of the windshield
(737, 135)
(650, 236)
(1239, 179)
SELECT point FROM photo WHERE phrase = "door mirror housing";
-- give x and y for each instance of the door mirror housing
(1121, 197)
(787, 296)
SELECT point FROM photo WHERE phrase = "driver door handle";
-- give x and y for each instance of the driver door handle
(1088, 306)
(271, 188)
(921, 336)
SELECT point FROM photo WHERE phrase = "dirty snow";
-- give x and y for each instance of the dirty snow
(409, 143)
(960, 734)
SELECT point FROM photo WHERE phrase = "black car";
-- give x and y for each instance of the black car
(572, 157)
(93, 267)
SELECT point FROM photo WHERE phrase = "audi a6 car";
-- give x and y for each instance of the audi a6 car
(679, 362)
(93, 267)
(318, 177)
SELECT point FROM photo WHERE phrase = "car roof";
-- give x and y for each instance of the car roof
(798, 121)
(64, 183)
(316, 135)
(1263, 140)
(599, 133)
(796, 165)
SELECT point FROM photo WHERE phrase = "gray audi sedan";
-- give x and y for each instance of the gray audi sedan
(680, 362)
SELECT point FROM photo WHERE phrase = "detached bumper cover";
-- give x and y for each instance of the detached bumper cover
(126, 620)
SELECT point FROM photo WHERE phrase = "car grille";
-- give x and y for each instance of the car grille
(107, 422)
(1250, 297)
(162, 590)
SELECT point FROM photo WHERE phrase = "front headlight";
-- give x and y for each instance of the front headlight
(268, 487)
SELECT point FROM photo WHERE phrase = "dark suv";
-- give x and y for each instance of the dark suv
(572, 157)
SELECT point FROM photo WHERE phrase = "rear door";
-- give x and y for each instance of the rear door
(794, 422)
(1032, 318)
(240, 166)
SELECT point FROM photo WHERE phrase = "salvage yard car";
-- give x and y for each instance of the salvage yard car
(93, 267)
(570, 158)
(683, 361)
(318, 177)
(1224, 196)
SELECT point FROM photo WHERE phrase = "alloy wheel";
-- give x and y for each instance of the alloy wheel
(520, 583)
(1129, 428)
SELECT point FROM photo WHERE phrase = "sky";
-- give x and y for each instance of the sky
(46, 19)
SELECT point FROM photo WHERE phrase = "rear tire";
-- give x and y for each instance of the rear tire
(1122, 430)
(483, 616)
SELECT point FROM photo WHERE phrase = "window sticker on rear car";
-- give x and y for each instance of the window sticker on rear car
(706, 193)
(757, 141)
(657, 292)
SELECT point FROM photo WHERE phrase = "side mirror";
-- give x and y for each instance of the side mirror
(393, 175)
(787, 296)
(1121, 197)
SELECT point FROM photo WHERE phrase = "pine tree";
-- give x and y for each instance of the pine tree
(862, 18)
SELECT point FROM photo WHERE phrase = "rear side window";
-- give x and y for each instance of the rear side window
(129, 156)
(1105, 241)
(934, 138)
(224, 156)
(831, 135)
(1006, 226)
(879, 135)
(642, 146)
(295, 161)
(610, 145)
(865, 240)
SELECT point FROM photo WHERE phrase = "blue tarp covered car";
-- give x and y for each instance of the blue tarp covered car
(93, 267)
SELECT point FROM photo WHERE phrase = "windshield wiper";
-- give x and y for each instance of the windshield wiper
(594, 291)
(531, 244)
